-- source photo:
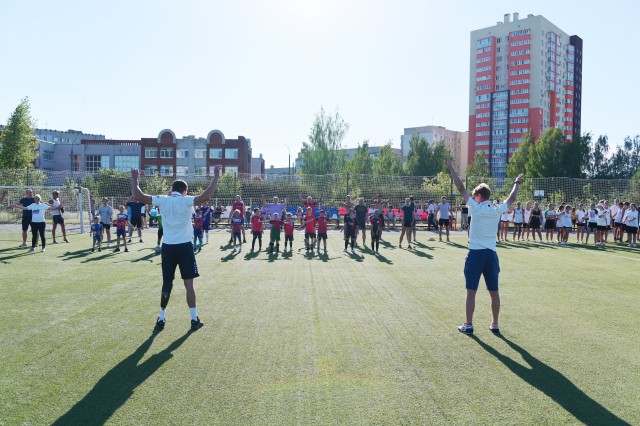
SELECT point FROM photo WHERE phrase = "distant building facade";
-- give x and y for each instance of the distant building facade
(456, 142)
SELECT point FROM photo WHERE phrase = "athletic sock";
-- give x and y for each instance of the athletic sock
(163, 312)
(194, 314)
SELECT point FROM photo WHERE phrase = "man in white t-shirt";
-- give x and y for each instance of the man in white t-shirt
(444, 212)
(482, 258)
(177, 250)
(270, 209)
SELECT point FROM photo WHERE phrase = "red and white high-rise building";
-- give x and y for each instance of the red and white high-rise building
(526, 76)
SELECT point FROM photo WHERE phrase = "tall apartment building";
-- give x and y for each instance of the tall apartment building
(456, 142)
(525, 76)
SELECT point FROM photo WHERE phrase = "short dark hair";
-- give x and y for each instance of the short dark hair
(179, 186)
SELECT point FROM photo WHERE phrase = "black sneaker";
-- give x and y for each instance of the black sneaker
(126, 249)
(196, 324)
(494, 328)
(466, 329)
(160, 324)
(116, 250)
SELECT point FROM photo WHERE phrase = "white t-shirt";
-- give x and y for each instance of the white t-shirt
(580, 216)
(444, 210)
(176, 217)
(618, 216)
(106, 213)
(504, 217)
(567, 220)
(593, 216)
(518, 215)
(486, 217)
(602, 217)
(55, 203)
(527, 215)
(614, 211)
(607, 216)
(431, 209)
(37, 211)
(275, 208)
(632, 218)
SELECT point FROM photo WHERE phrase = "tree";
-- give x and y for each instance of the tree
(418, 156)
(387, 162)
(18, 143)
(479, 167)
(323, 154)
(545, 158)
(574, 157)
(362, 162)
(518, 161)
(599, 164)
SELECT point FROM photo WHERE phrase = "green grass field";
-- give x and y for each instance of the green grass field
(336, 339)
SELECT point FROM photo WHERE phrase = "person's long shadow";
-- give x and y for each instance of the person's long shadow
(555, 385)
(117, 386)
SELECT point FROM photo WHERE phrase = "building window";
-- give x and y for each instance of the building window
(124, 163)
(215, 153)
(47, 155)
(166, 170)
(201, 171)
(166, 152)
(96, 162)
(201, 153)
(182, 170)
(150, 170)
(151, 153)
(231, 153)
(75, 163)
(230, 169)
(182, 153)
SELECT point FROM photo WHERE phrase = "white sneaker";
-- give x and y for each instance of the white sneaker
(494, 328)
(345, 250)
(353, 251)
(42, 251)
(32, 249)
(240, 249)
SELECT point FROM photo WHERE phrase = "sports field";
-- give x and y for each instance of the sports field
(335, 339)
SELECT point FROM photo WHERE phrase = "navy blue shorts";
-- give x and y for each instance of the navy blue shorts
(58, 219)
(482, 262)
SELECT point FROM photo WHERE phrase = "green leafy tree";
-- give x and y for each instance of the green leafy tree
(323, 153)
(599, 167)
(479, 167)
(424, 159)
(518, 161)
(574, 157)
(387, 162)
(545, 158)
(362, 162)
(18, 144)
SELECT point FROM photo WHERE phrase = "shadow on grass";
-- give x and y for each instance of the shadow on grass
(383, 259)
(14, 256)
(420, 253)
(355, 256)
(116, 387)
(230, 256)
(12, 249)
(555, 385)
(70, 255)
(251, 255)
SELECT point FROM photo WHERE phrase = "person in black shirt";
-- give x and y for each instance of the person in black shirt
(136, 218)
(407, 221)
(26, 214)
(376, 231)
(350, 229)
(362, 211)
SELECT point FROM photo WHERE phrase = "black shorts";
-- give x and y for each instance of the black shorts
(550, 224)
(407, 224)
(525, 225)
(350, 236)
(322, 236)
(616, 224)
(608, 227)
(206, 226)
(443, 222)
(58, 219)
(25, 224)
(592, 225)
(182, 256)
(518, 224)
(136, 222)
(632, 229)
(579, 224)
(288, 238)
(601, 227)
(362, 224)
(257, 234)
(106, 226)
(311, 235)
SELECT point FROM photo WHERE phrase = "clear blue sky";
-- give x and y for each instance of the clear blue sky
(262, 69)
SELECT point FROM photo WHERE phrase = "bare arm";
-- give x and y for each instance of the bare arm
(136, 192)
(457, 181)
(208, 193)
(514, 192)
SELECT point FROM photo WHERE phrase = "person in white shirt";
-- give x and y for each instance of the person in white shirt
(482, 258)
(607, 216)
(601, 220)
(580, 223)
(56, 215)
(618, 232)
(38, 224)
(518, 220)
(567, 225)
(444, 210)
(177, 250)
(503, 229)
(630, 221)
(592, 223)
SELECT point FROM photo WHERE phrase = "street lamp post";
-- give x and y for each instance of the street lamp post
(289, 160)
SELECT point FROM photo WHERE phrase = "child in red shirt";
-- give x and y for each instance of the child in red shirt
(289, 226)
(256, 229)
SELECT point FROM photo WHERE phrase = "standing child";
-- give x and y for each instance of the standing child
(592, 222)
(518, 220)
(602, 224)
(276, 226)
(505, 218)
(289, 227)
(300, 216)
(630, 222)
(560, 223)
(351, 229)
(580, 223)
(376, 231)
(550, 222)
(310, 230)
(207, 212)
(323, 224)
(237, 228)
(96, 231)
(122, 221)
(197, 229)
(256, 229)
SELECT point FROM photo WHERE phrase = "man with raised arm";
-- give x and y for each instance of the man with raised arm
(482, 258)
(177, 250)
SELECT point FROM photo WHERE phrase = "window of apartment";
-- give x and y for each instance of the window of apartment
(55, 139)
(201, 153)
(150, 170)
(201, 171)
(47, 155)
(182, 153)
(124, 163)
(230, 169)
(182, 170)
(151, 153)
(166, 170)
(231, 153)
(166, 152)
(215, 153)
(93, 163)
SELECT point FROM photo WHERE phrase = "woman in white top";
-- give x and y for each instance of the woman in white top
(592, 222)
(580, 223)
(518, 219)
(525, 224)
(607, 216)
(549, 222)
(37, 220)
(505, 218)
(630, 221)
(602, 214)
(567, 224)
